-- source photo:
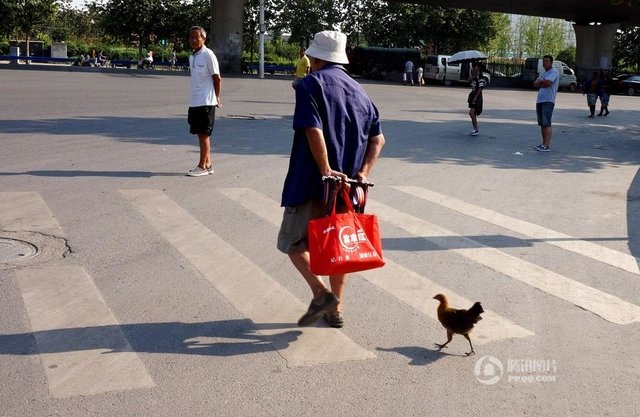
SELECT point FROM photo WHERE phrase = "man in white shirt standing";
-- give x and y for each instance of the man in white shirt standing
(547, 85)
(204, 97)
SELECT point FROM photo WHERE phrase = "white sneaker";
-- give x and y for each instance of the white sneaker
(473, 133)
(210, 169)
(197, 172)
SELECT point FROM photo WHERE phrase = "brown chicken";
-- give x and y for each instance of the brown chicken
(457, 321)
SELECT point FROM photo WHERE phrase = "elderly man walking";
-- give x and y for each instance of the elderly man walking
(336, 133)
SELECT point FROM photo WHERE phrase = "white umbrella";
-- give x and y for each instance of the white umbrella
(466, 56)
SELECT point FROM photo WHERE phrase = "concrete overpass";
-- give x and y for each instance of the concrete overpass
(595, 24)
(579, 11)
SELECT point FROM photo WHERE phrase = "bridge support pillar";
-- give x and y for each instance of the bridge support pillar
(226, 34)
(594, 47)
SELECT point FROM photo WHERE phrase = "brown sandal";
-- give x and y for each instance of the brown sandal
(334, 319)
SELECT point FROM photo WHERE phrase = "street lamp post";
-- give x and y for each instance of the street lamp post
(262, 30)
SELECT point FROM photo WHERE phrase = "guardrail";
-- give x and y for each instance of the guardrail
(37, 59)
(271, 69)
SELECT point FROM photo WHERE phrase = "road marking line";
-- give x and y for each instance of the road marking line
(250, 290)
(607, 306)
(612, 257)
(404, 284)
(82, 347)
(27, 212)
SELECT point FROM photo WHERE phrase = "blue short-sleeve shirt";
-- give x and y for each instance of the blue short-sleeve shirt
(328, 99)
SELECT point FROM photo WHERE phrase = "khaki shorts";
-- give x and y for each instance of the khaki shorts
(292, 237)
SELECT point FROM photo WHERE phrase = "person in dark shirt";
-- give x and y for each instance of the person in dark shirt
(592, 89)
(606, 86)
(336, 133)
(475, 97)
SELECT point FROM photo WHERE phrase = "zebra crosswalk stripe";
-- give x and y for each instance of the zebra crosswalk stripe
(612, 257)
(80, 343)
(250, 290)
(607, 306)
(27, 211)
(406, 285)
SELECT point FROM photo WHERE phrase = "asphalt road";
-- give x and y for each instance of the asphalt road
(160, 294)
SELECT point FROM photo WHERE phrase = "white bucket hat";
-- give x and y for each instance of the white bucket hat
(329, 46)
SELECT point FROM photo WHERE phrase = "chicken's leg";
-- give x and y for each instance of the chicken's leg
(469, 339)
(449, 337)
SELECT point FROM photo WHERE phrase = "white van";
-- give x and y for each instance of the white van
(533, 67)
(438, 68)
(461, 73)
(435, 67)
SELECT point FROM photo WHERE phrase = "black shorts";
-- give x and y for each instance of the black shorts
(201, 119)
(477, 105)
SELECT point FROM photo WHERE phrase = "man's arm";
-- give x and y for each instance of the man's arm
(546, 82)
(542, 83)
(318, 147)
(374, 147)
(217, 87)
(319, 152)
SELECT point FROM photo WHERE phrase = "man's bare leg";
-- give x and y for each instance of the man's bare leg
(302, 263)
(205, 150)
(546, 135)
(338, 283)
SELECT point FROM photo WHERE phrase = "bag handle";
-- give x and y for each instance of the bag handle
(359, 189)
(345, 197)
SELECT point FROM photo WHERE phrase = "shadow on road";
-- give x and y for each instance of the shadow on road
(436, 243)
(81, 173)
(419, 355)
(503, 143)
(633, 216)
(214, 338)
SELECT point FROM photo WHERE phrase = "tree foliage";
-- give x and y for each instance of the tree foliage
(626, 49)
(303, 18)
(379, 23)
(500, 44)
(144, 23)
(537, 36)
(26, 17)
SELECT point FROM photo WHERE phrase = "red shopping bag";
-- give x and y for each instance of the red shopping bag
(341, 243)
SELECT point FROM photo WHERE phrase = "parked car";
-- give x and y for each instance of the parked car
(626, 84)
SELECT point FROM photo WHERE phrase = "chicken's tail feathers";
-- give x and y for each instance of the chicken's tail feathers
(476, 309)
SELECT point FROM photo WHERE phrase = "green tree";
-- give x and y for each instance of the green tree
(26, 17)
(251, 30)
(551, 36)
(500, 44)
(436, 29)
(530, 27)
(567, 55)
(8, 10)
(303, 18)
(538, 36)
(142, 22)
(626, 49)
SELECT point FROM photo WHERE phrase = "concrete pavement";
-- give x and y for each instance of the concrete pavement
(172, 299)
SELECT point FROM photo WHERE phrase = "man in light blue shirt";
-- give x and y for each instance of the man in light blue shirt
(547, 85)
(408, 72)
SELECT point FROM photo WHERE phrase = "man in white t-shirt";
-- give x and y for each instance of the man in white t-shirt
(204, 97)
(547, 85)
